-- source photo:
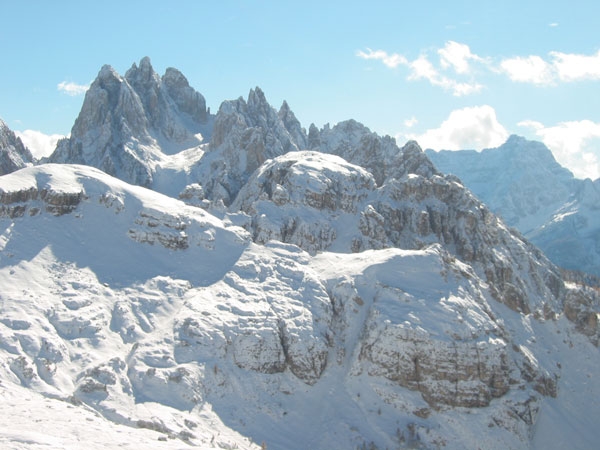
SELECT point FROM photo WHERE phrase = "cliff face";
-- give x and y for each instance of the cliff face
(320, 202)
(13, 154)
(127, 125)
(521, 182)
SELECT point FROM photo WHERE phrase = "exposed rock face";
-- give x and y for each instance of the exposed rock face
(522, 182)
(526, 178)
(147, 225)
(320, 202)
(456, 354)
(379, 155)
(292, 124)
(187, 99)
(35, 198)
(295, 184)
(245, 135)
(271, 335)
(168, 102)
(419, 210)
(127, 124)
(13, 154)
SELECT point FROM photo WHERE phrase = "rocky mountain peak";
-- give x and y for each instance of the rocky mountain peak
(522, 182)
(13, 153)
(146, 83)
(525, 152)
(313, 139)
(257, 99)
(187, 99)
(142, 75)
(107, 72)
(292, 124)
(245, 135)
(127, 124)
(105, 88)
(414, 160)
(380, 155)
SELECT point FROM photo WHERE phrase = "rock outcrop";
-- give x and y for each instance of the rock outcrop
(127, 124)
(13, 154)
(245, 135)
(534, 194)
(320, 202)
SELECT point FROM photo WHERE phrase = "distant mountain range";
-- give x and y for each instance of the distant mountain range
(174, 277)
(522, 182)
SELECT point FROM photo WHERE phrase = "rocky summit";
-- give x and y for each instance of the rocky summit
(234, 281)
(13, 154)
(536, 195)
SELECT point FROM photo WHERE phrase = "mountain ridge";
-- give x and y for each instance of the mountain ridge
(348, 295)
(534, 194)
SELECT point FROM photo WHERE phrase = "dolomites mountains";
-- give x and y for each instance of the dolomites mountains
(536, 195)
(172, 277)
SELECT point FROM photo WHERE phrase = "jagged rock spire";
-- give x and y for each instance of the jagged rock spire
(292, 124)
(13, 154)
(126, 123)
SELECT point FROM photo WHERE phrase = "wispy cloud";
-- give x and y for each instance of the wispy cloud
(72, 89)
(531, 69)
(422, 68)
(458, 56)
(474, 127)
(575, 144)
(573, 67)
(409, 123)
(558, 67)
(391, 60)
(454, 55)
(458, 67)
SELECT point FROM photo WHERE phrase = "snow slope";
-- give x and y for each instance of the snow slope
(348, 296)
(144, 321)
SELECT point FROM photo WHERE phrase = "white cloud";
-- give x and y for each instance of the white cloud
(531, 69)
(72, 89)
(461, 89)
(474, 127)
(38, 143)
(409, 123)
(566, 67)
(390, 60)
(452, 55)
(457, 56)
(422, 68)
(575, 145)
(573, 67)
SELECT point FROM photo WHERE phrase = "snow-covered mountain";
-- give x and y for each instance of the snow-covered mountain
(319, 290)
(522, 182)
(131, 126)
(13, 154)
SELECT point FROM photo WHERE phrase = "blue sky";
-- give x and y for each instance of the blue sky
(462, 74)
